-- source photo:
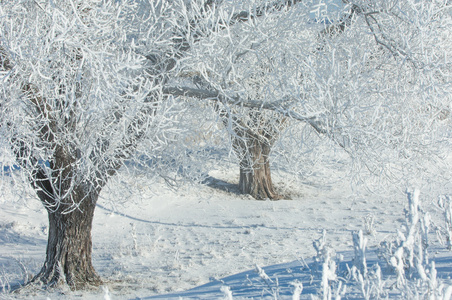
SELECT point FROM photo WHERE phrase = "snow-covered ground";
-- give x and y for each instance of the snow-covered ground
(209, 242)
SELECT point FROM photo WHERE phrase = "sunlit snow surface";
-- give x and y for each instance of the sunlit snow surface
(201, 241)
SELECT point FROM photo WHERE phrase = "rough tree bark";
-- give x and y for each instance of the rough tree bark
(255, 175)
(69, 245)
(70, 207)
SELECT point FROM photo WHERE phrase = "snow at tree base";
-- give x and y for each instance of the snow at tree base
(286, 149)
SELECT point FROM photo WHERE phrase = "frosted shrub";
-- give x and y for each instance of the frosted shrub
(408, 255)
(429, 288)
(372, 285)
(409, 258)
(324, 260)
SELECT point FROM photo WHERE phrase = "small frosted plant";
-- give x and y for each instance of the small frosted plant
(378, 284)
(323, 260)
(4, 283)
(445, 203)
(409, 255)
(371, 285)
(321, 250)
(448, 293)
(359, 245)
(297, 289)
(411, 252)
(432, 281)
(341, 290)
(263, 275)
(272, 285)
(363, 282)
(106, 293)
(329, 277)
(226, 292)
(415, 242)
(134, 238)
(369, 225)
(397, 261)
(328, 274)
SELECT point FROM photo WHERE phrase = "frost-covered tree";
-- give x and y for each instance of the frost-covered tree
(373, 76)
(231, 36)
(76, 102)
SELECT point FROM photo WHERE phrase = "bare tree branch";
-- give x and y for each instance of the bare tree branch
(182, 44)
(5, 62)
(339, 27)
(246, 15)
(279, 106)
(380, 37)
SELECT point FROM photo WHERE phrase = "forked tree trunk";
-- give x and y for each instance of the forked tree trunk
(69, 246)
(255, 176)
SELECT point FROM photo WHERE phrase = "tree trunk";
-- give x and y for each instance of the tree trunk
(255, 176)
(252, 139)
(69, 246)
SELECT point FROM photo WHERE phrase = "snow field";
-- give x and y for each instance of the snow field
(169, 241)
